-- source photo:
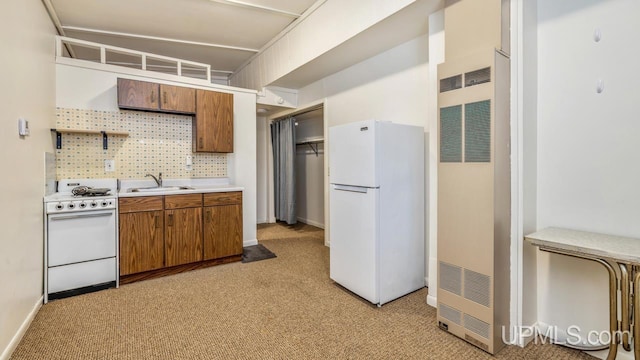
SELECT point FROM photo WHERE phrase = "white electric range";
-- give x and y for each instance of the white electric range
(81, 238)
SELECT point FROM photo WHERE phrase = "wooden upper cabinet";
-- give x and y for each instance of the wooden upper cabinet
(178, 99)
(134, 94)
(142, 95)
(213, 125)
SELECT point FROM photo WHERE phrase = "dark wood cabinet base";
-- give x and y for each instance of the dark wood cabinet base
(127, 279)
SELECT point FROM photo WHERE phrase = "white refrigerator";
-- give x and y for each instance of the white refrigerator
(376, 209)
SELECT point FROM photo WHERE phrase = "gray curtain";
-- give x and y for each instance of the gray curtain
(283, 138)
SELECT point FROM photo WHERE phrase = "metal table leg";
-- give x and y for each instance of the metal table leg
(613, 301)
(636, 323)
(613, 309)
(625, 304)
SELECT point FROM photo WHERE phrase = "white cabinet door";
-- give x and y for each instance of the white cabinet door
(354, 230)
(352, 154)
(81, 236)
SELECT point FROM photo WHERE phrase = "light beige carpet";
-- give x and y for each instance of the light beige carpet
(281, 308)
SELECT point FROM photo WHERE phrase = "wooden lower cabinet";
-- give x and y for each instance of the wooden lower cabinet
(161, 235)
(183, 236)
(222, 231)
(141, 242)
(141, 239)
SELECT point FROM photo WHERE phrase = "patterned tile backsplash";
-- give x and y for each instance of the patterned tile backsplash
(156, 143)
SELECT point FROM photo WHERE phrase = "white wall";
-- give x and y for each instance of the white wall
(28, 90)
(86, 88)
(587, 146)
(436, 56)
(262, 153)
(529, 160)
(310, 172)
(391, 86)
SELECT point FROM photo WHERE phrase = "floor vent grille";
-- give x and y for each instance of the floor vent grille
(450, 278)
(450, 314)
(477, 326)
(477, 287)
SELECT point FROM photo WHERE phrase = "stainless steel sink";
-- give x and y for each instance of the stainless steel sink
(160, 188)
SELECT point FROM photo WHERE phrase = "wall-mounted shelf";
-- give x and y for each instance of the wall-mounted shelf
(311, 142)
(105, 135)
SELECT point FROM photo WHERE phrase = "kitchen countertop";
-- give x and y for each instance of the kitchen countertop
(206, 185)
(623, 249)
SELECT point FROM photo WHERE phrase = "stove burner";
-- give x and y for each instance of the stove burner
(89, 191)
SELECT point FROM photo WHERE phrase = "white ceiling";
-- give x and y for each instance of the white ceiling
(221, 33)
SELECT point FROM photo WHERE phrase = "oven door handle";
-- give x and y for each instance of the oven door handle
(80, 216)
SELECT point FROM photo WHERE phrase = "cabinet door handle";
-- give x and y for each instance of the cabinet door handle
(208, 218)
(157, 221)
(170, 222)
(153, 96)
(200, 143)
(164, 97)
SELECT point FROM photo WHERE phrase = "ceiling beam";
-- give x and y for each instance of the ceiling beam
(257, 7)
(56, 22)
(157, 38)
(284, 32)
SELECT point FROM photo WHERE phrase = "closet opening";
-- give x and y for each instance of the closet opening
(309, 169)
(297, 176)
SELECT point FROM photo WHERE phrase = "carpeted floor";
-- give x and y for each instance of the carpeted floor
(281, 308)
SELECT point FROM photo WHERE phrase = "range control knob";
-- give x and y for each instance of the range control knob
(71, 206)
(93, 204)
(59, 206)
(83, 205)
(104, 203)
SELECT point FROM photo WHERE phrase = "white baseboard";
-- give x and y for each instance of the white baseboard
(524, 335)
(432, 301)
(560, 336)
(311, 222)
(13, 344)
(603, 354)
(249, 242)
(261, 221)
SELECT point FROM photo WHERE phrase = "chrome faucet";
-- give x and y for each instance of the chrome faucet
(157, 179)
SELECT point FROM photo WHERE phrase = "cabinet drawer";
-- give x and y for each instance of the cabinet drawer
(223, 198)
(67, 277)
(144, 203)
(183, 201)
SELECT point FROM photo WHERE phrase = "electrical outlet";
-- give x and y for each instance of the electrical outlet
(188, 164)
(109, 165)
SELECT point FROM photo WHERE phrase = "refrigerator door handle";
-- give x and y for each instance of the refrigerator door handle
(358, 189)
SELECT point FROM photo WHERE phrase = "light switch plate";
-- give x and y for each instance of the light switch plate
(23, 127)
